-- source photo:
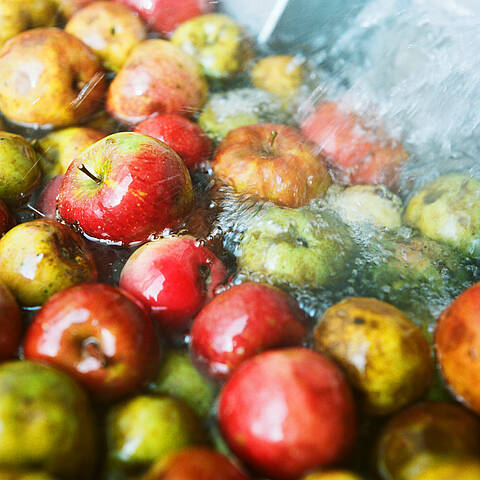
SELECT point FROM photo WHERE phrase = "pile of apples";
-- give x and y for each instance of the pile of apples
(124, 121)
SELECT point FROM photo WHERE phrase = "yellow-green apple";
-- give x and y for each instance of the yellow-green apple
(241, 322)
(10, 324)
(285, 412)
(219, 43)
(99, 336)
(272, 162)
(125, 189)
(49, 79)
(158, 77)
(19, 170)
(110, 29)
(59, 148)
(42, 257)
(163, 16)
(175, 277)
(46, 422)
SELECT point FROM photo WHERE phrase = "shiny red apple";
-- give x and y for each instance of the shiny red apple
(286, 412)
(98, 335)
(164, 16)
(182, 135)
(175, 277)
(125, 189)
(242, 321)
(10, 324)
(6, 219)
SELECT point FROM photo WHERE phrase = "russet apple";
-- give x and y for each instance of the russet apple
(241, 322)
(158, 77)
(99, 336)
(49, 79)
(125, 189)
(10, 324)
(273, 162)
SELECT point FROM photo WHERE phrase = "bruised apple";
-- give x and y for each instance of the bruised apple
(273, 162)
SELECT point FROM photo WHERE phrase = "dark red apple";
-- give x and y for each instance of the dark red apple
(10, 324)
(182, 135)
(98, 335)
(47, 202)
(243, 321)
(175, 277)
(164, 16)
(285, 412)
(6, 219)
(125, 189)
(356, 153)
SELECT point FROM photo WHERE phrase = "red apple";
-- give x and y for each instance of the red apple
(47, 202)
(10, 324)
(243, 321)
(6, 219)
(182, 135)
(196, 464)
(286, 412)
(356, 153)
(125, 189)
(99, 336)
(273, 162)
(164, 16)
(175, 277)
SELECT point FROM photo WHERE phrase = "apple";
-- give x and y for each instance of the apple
(447, 469)
(46, 421)
(149, 428)
(241, 322)
(59, 148)
(158, 77)
(272, 162)
(19, 171)
(6, 220)
(125, 189)
(181, 135)
(285, 412)
(67, 8)
(357, 153)
(47, 201)
(194, 464)
(24, 475)
(333, 475)
(99, 336)
(163, 16)
(219, 43)
(111, 30)
(42, 257)
(10, 324)
(175, 277)
(49, 79)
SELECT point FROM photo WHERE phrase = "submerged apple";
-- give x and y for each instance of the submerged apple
(126, 188)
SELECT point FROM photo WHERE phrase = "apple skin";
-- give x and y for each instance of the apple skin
(157, 78)
(163, 16)
(194, 464)
(99, 336)
(6, 219)
(457, 344)
(287, 173)
(357, 154)
(47, 202)
(242, 321)
(10, 324)
(42, 257)
(181, 135)
(174, 277)
(143, 189)
(286, 412)
(68, 7)
(49, 79)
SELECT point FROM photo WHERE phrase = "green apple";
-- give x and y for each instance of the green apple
(179, 378)
(448, 210)
(297, 247)
(42, 257)
(19, 171)
(219, 43)
(242, 106)
(148, 428)
(59, 148)
(46, 422)
(372, 204)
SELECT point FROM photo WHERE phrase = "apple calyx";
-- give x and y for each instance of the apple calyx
(89, 174)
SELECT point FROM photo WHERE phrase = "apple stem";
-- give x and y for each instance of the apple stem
(89, 174)
(273, 137)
